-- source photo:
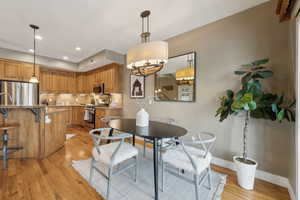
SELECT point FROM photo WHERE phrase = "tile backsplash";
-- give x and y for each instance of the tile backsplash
(78, 99)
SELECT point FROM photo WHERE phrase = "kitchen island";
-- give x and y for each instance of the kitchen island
(41, 131)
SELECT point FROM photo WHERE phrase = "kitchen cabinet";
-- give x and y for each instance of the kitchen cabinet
(57, 81)
(100, 113)
(68, 114)
(81, 82)
(46, 81)
(26, 71)
(16, 71)
(55, 132)
(12, 70)
(90, 81)
(78, 115)
(71, 82)
(1, 70)
(38, 139)
(109, 75)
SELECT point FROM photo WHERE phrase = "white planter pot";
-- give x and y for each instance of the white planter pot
(245, 173)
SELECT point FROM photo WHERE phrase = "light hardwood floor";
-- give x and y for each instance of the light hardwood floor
(54, 178)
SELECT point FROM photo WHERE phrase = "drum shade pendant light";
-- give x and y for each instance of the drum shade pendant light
(188, 73)
(148, 57)
(34, 78)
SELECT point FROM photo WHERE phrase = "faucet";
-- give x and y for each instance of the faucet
(5, 93)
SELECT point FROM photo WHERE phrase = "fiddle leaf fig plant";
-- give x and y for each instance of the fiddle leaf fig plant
(253, 101)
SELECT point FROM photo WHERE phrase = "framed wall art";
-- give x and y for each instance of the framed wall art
(137, 86)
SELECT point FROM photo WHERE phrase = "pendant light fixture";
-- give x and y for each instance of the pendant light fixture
(149, 57)
(187, 73)
(34, 78)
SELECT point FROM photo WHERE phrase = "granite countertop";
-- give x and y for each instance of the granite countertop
(16, 106)
(55, 110)
(56, 106)
(97, 107)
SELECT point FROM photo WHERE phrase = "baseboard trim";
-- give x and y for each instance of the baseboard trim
(291, 192)
(266, 176)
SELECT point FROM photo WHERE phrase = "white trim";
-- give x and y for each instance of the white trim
(266, 176)
(291, 191)
(297, 132)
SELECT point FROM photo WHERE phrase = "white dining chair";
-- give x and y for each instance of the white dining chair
(106, 121)
(163, 143)
(192, 156)
(112, 155)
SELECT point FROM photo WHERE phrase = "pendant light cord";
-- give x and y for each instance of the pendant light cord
(34, 52)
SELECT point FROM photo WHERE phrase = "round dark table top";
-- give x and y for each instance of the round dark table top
(154, 130)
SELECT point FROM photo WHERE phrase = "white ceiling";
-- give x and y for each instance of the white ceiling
(95, 25)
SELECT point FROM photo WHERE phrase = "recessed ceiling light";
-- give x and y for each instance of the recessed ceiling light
(65, 57)
(38, 37)
(31, 50)
(77, 48)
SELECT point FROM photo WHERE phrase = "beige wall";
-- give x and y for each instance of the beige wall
(220, 48)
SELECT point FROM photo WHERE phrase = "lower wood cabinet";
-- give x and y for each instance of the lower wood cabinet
(55, 132)
(78, 116)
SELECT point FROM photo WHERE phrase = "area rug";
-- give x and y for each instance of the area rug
(124, 188)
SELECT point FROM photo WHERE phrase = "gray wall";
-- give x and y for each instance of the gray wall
(221, 47)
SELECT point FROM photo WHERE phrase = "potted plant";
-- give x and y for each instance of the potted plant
(252, 101)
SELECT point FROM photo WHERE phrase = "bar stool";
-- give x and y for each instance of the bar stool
(5, 149)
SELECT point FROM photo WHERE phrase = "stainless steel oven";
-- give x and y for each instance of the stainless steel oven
(89, 114)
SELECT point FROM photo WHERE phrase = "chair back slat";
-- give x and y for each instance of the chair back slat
(98, 136)
(197, 142)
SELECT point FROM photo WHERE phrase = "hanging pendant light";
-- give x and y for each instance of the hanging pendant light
(34, 78)
(149, 57)
(187, 73)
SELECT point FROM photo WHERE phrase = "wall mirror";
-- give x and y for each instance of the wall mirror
(176, 80)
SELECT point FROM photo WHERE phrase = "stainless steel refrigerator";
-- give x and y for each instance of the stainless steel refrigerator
(19, 93)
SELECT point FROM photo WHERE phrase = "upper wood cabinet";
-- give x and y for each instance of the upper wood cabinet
(12, 70)
(109, 75)
(26, 71)
(90, 81)
(46, 81)
(81, 82)
(17, 71)
(1, 70)
(57, 81)
(71, 82)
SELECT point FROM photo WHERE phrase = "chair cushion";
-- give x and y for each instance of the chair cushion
(125, 152)
(178, 158)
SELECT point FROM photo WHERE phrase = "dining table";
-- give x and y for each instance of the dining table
(155, 131)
